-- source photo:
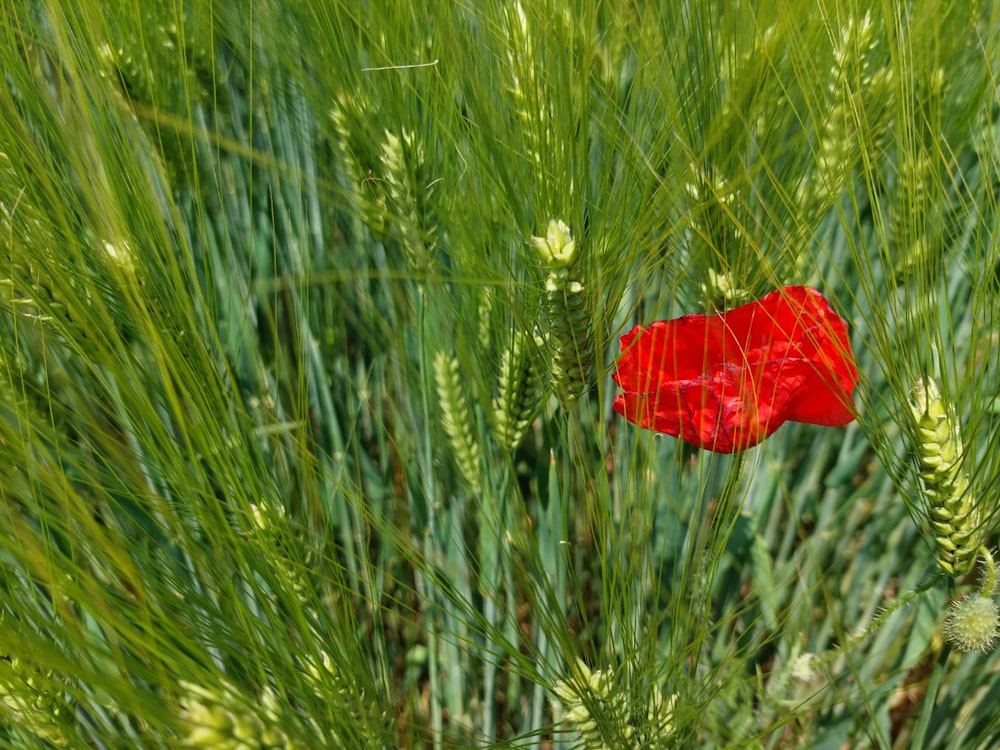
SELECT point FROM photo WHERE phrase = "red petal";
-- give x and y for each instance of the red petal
(685, 347)
(725, 382)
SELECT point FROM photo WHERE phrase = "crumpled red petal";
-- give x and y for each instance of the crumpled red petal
(725, 382)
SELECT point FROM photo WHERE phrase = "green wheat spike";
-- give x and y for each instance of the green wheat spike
(223, 718)
(594, 703)
(484, 335)
(855, 84)
(568, 314)
(520, 394)
(456, 417)
(953, 516)
(402, 157)
(524, 84)
(33, 701)
(359, 159)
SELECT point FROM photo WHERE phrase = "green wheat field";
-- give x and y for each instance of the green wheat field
(309, 311)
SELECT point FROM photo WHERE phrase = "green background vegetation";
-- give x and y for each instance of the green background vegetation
(265, 268)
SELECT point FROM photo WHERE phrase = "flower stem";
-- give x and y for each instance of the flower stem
(989, 580)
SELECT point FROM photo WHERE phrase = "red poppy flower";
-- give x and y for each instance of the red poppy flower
(725, 382)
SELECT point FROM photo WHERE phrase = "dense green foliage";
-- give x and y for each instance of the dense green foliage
(305, 424)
